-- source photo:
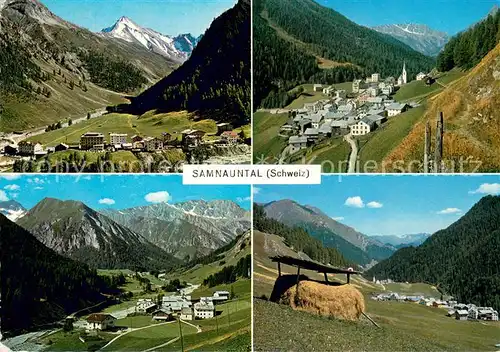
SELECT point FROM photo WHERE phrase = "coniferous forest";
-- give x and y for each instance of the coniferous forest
(468, 48)
(43, 287)
(462, 260)
(298, 239)
(290, 36)
(231, 273)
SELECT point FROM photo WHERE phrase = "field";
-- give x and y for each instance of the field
(375, 146)
(403, 326)
(267, 142)
(333, 157)
(149, 124)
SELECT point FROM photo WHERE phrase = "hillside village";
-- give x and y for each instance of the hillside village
(358, 113)
(186, 141)
(459, 311)
(181, 307)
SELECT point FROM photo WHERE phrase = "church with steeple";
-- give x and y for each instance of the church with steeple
(403, 79)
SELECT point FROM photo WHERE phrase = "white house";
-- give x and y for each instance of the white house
(358, 85)
(117, 138)
(296, 143)
(230, 137)
(461, 314)
(151, 144)
(329, 90)
(375, 77)
(204, 310)
(100, 321)
(316, 120)
(92, 140)
(364, 126)
(220, 296)
(396, 109)
(176, 303)
(29, 148)
(421, 76)
(317, 87)
(145, 305)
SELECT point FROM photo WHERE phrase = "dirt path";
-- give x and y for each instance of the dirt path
(214, 340)
(354, 153)
(163, 345)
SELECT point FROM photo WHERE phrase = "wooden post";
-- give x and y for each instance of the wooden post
(180, 333)
(298, 274)
(438, 152)
(279, 269)
(326, 277)
(348, 278)
(427, 147)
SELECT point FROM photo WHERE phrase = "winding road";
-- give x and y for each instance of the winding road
(354, 153)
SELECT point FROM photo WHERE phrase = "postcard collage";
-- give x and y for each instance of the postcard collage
(105, 105)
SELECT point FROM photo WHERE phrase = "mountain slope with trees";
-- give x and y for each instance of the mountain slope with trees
(468, 48)
(215, 80)
(462, 259)
(290, 37)
(298, 239)
(354, 245)
(74, 230)
(39, 286)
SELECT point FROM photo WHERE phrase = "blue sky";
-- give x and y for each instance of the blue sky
(169, 17)
(389, 205)
(116, 192)
(450, 16)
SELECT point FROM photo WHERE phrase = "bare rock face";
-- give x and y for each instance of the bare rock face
(342, 301)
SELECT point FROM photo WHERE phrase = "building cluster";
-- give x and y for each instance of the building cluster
(340, 113)
(97, 142)
(454, 309)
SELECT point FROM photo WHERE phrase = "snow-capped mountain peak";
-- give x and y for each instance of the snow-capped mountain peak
(420, 37)
(12, 209)
(176, 48)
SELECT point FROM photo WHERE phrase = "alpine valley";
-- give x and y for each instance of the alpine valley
(171, 99)
(63, 263)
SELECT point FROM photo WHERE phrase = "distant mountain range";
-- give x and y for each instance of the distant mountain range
(418, 36)
(404, 240)
(462, 260)
(190, 229)
(157, 236)
(355, 246)
(177, 48)
(12, 210)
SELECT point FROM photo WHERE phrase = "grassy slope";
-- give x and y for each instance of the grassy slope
(333, 158)
(198, 273)
(149, 124)
(378, 144)
(404, 326)
(471, 114)
(266, 141)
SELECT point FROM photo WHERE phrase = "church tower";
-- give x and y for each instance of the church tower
(404, 75)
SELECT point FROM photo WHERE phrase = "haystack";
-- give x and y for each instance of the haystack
(339, 301)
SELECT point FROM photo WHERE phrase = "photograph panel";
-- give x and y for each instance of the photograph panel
(377, 263)
(377, 87)
(124, 263)
(124, 86)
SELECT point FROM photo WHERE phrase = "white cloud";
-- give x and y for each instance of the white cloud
(256, 190)
(3, 196)
(38, 188)
(12, 187)
(488, 188)
(354, 202)
(158, 197)
(107, 201)
(242, 200)
(36, 180)
(14, 195)
(374, 205)
(10, 177)
(449, 211)
(338, 218)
